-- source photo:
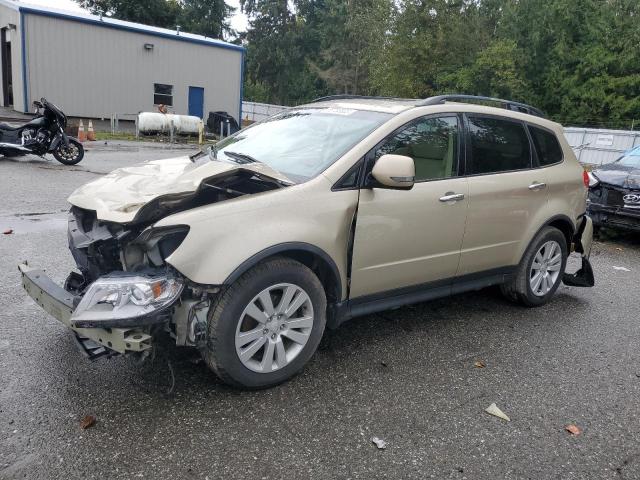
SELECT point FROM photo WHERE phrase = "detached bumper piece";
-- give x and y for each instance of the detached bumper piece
(60, 304)
(582, 278)
(582, 244)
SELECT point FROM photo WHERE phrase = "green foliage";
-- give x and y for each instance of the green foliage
(205, 17)
(579, 60)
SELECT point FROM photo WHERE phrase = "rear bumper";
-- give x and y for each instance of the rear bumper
(60, 304)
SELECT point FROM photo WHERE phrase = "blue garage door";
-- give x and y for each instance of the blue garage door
(196, 101)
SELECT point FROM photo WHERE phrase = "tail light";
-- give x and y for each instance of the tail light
(585, 178)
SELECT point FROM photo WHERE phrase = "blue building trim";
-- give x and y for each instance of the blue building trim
(99, 23)
(23, 44)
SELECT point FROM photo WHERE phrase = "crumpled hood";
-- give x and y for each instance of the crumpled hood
(118, 196)
(619, 175)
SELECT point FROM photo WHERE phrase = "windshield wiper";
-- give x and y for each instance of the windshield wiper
(197, 155)
(241, 158)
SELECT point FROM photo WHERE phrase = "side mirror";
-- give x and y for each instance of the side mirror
(395, 172)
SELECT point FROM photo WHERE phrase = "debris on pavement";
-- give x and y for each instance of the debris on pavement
(381, 444)
(479, 364)
(87, 421)
(8, 231)
(496, 412)
(622, 269)
(573, 429)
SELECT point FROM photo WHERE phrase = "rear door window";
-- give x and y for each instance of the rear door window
(497, 145)
(546, 145)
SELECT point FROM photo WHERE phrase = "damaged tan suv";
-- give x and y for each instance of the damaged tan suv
(327, 211)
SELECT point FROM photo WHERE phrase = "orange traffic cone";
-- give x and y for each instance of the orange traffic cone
(91, 135)
(82, 136)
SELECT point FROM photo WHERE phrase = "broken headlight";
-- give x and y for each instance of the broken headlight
(126, 297)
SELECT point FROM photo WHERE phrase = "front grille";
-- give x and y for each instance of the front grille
(614, 198)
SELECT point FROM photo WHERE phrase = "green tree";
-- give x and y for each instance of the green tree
(158, 13)
(278, 45)
(204, 17)
(495, 72)
(428, 42)
(581, 57)
(350, 31)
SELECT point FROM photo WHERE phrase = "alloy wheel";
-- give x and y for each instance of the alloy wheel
(274, 327)
(545, 268)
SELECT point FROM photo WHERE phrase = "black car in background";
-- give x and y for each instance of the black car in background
(614, 193)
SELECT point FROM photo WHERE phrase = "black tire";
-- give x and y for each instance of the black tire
(220, 353)
(61, 153)
(518, 289)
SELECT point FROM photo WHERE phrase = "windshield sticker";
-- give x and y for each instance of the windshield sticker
(338, 111)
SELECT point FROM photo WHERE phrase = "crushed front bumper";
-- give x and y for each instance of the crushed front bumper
(60, 304)
(623, 218)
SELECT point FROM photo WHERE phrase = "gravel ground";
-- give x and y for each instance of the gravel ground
(406, 376)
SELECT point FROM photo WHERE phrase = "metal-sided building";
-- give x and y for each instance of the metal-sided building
(95, 67)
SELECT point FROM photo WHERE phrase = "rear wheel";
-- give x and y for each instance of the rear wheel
(540, 272)
(267, 325)
(69, 154)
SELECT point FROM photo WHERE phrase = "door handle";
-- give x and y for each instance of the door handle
(452, 197)
(537, 186)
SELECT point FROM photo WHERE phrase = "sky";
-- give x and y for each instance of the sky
(238, 21)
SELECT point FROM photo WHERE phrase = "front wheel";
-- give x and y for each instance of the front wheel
(540, 272)
(69, 154)
(266, 326)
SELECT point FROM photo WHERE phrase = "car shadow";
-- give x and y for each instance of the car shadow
(177, 371)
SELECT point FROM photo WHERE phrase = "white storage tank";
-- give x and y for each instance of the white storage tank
(153, 122)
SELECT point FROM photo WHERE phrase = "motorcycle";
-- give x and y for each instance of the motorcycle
(44, 134)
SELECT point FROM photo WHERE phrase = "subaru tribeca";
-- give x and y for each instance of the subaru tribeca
(345, 206)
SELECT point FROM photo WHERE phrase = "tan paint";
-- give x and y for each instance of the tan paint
(118, 196)
(402, 238)
(223, 235)
(502, 210)
(407, 237)
(396, 171)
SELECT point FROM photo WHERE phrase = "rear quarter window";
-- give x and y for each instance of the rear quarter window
(546, 145)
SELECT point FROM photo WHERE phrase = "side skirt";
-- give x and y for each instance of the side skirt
(378, 302)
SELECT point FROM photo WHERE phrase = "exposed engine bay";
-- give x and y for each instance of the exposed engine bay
(135, 252)
(100, 247)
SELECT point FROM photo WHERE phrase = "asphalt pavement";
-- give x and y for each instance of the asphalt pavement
(406, 376)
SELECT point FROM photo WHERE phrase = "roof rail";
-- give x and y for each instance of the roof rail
(508, 104)
(347, 96)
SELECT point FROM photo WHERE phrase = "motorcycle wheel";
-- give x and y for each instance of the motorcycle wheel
(69, 155)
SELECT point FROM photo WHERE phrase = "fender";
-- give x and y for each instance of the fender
(60, 137)
(286, 248)
(549, 221)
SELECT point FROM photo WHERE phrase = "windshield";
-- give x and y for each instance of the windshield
(299, 143)
(629, 161)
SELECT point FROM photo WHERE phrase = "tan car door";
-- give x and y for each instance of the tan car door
(505, 193)
(408, 238)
